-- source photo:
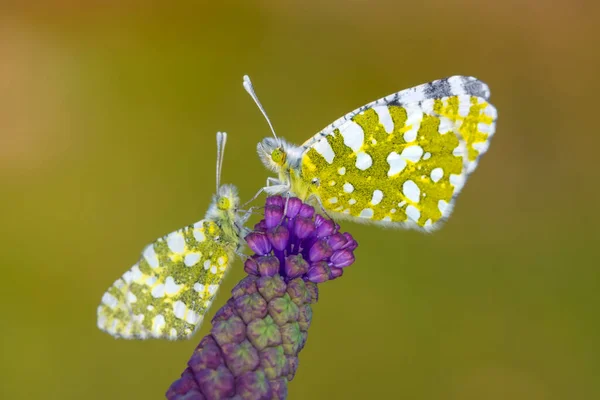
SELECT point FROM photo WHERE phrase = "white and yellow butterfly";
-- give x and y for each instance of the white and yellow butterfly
(168, 291)
(399, 161)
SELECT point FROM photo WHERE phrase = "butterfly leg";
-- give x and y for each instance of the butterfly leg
(287, 195)
(318, 200)
(247, 214)
(241, 255)
(260, 191)
(274, 186)
(285, 206)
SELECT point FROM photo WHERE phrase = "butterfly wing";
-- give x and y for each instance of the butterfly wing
(438, 89)
(168, 291)
(402, 160)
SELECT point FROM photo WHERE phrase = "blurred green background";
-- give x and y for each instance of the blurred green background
(108, 115)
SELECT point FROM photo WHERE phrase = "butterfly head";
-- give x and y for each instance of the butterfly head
(225, 204)
(273, 153)
(227, 199)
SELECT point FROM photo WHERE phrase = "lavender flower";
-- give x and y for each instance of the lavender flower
(252, 350)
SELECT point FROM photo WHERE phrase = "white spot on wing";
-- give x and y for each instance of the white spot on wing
(348, 188)
(176, 242)
(101, 319)
(377, 197)
(412, 153)
(131, 298)
(471, 166)
(191, 259)
(126, 333)
(150, 256)
(198, 287)
(171, 287)
(456, 85)
(351, 202)
(342, 171)
(363, 161)
(179, 309)
(158, 291)
(366, 213)
(333, 200)
(109, 300)
(198, 234)
(481, 147)
(427, 106)
(414, 118)
(442, 206)
(457, 181)
(324, 148)
(464, 106)
(353, 135)
(485, 128)
(133, 275)
(413, 213)
(212, 289)
(396, 162)
(411, 95)
(446, 125)
(151, 280)
(491, 111)
(158, 323)
(459, 150)
(385, 118)
(192, 317)
(411, 191)
(437, 174)
(427, 156)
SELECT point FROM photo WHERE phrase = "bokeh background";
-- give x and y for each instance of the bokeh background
(108, 113)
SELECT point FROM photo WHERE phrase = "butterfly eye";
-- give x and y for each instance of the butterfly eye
(223, 203)
(278, 156)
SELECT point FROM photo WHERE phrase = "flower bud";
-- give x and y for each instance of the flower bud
(318, 272)
(258, 243)
(279, 237)
(342, 258)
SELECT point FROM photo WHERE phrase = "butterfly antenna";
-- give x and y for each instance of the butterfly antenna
(250, 89)
(221, 140)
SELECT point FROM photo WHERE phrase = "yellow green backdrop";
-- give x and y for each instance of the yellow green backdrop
(107, 122)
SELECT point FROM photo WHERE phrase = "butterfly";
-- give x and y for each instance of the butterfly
(169, 290)
(399, 161)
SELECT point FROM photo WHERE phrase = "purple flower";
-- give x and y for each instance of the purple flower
(258, 243)
(256, 337)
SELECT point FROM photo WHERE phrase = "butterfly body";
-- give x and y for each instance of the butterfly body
(399, 161)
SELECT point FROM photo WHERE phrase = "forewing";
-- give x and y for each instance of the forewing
(438, 89)
(398, 164)
(168, 291)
